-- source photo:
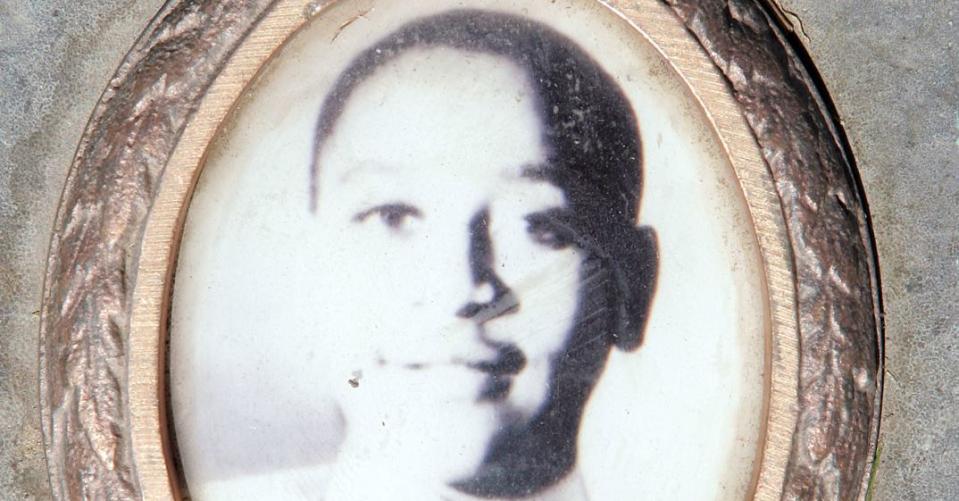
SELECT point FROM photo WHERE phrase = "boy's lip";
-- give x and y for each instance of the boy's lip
(495, 388)
(509, 361)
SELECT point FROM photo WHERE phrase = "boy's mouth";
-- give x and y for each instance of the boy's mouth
(508, 362)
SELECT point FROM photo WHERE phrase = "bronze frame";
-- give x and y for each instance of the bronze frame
(115, 238)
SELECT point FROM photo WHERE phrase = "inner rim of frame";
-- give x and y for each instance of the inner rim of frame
(632, 15)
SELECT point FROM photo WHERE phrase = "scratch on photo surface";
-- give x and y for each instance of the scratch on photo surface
(584, 343)
(349, 22)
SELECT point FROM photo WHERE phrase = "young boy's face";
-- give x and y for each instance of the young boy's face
(450, 288)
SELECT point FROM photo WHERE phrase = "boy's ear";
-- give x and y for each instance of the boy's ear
(634, 265)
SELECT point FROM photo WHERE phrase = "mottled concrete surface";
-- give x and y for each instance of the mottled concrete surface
(892, 68)
(56, 56)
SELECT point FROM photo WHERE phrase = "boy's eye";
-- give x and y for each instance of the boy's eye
(549, 231)
(395, 216)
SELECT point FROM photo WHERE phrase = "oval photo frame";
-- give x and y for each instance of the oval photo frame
(108, 293)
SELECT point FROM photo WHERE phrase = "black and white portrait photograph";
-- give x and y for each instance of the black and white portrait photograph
(464, 250)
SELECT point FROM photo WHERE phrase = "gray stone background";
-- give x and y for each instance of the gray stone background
(890, 66)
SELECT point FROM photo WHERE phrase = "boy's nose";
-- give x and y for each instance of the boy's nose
(499, 299)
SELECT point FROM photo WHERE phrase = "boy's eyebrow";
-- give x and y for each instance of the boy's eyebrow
(365, 169)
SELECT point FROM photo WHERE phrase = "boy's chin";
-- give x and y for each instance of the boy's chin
(445, 398)
(443, 441)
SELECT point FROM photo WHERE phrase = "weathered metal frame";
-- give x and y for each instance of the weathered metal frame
(102, 397)
(836, 268)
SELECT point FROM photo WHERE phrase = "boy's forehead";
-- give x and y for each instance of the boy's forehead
(441, 108)
(368, 173)
(362, 171)
(522, 183)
